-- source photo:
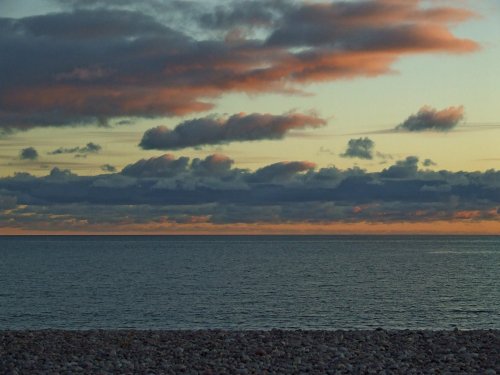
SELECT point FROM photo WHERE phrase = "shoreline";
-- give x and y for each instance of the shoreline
(273, 351)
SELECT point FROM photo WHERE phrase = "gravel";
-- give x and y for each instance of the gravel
(250, 352)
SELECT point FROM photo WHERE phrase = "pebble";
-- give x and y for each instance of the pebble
(213, 352)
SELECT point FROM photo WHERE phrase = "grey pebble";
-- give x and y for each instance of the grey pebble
(213, 352)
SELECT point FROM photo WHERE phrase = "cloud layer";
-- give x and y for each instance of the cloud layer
(128, 59)
(430, 119)
(212, 190)
(217, 130)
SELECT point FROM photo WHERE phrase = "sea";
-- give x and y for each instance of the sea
(249, 282)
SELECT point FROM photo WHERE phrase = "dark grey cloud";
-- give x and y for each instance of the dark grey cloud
(214, 191)
(118, 60)
(108, 168)
(7, 202)
(430, 119)
(361, 148)
(218, 130)
(402, 169)
(29, 153)
(61, 175)
(428, 163)
(247, 14)
(153, 7)
(163, 166)
(281, 171)
(89, 148)
(88, 24)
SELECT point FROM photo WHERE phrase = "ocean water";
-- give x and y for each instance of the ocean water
(240, 282)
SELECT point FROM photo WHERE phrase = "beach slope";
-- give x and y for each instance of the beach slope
(249, 352)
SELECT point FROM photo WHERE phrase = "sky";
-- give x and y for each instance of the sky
(249, 117)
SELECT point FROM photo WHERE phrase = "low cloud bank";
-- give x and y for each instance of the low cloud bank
(181, 190)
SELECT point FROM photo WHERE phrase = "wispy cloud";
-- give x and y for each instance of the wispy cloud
(108, 168)
(89, 148)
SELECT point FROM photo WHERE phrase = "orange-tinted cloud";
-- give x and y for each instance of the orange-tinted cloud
(430, 119)
(115, 62)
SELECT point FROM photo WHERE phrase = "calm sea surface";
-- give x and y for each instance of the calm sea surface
(319, 282)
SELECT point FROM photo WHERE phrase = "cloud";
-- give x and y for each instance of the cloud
(29, 153)
(361, 148)
(163, 166)
(60, 175)
(219, 130)
(89, 148)
(325, 150)
(211, 190)
(115, 181)
(212, 165)
(249, 14)
(108, 168)
(126, 59)
(402, 169)
(7, 202)
(281, 171)
(430, 119)
(428, 163)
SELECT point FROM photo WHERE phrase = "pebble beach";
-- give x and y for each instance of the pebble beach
(250, 352)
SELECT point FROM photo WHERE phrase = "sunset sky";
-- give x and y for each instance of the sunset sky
(258, 116)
